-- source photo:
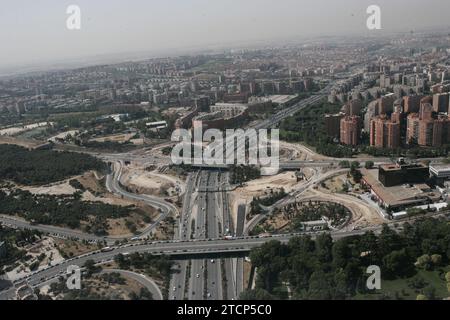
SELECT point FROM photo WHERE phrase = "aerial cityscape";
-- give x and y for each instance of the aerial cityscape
(314, 167)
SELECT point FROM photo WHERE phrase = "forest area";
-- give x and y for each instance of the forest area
(40, 167)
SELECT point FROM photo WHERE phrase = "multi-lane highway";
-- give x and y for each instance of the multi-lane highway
(184, 232)
(204, 275)
(213, 267)
(197, 275)
(207, 278)
(228, 230)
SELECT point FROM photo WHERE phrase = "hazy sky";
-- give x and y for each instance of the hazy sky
(34, 31)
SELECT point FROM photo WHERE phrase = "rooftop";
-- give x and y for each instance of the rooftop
(281, 99)
(398, 195)
(394, 167)
(440, 166)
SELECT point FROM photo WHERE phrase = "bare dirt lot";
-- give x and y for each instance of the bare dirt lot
(26, 143)
(151, 182)
(335, 184)
(297, 151)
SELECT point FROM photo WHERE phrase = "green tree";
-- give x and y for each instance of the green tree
(369, 165)
(436, 259)
(91, 268)
(424, 262)
(270, 261)
(319, 287)
(397, 264)
(324, 245)
(341, 253)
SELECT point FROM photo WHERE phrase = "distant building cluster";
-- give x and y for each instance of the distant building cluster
(400, 118)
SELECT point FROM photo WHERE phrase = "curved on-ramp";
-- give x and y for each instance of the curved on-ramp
(142, 279)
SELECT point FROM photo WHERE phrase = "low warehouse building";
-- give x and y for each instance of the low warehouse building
(397, 197)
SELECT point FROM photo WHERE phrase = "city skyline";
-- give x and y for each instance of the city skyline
(36, 33)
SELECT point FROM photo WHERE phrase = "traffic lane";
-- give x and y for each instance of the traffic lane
(197, 276)
(178, 281)
(197, 280)
(214, 283)
(230, 280)
(214, 286)
(239, 276)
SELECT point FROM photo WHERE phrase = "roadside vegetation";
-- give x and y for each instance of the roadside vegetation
(414, 265)
(241, 174)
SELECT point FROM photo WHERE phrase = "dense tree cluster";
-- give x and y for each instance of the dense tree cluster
(323, 269)
(155, 266)
(67, 210)
(37, 167)
(241, 174)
